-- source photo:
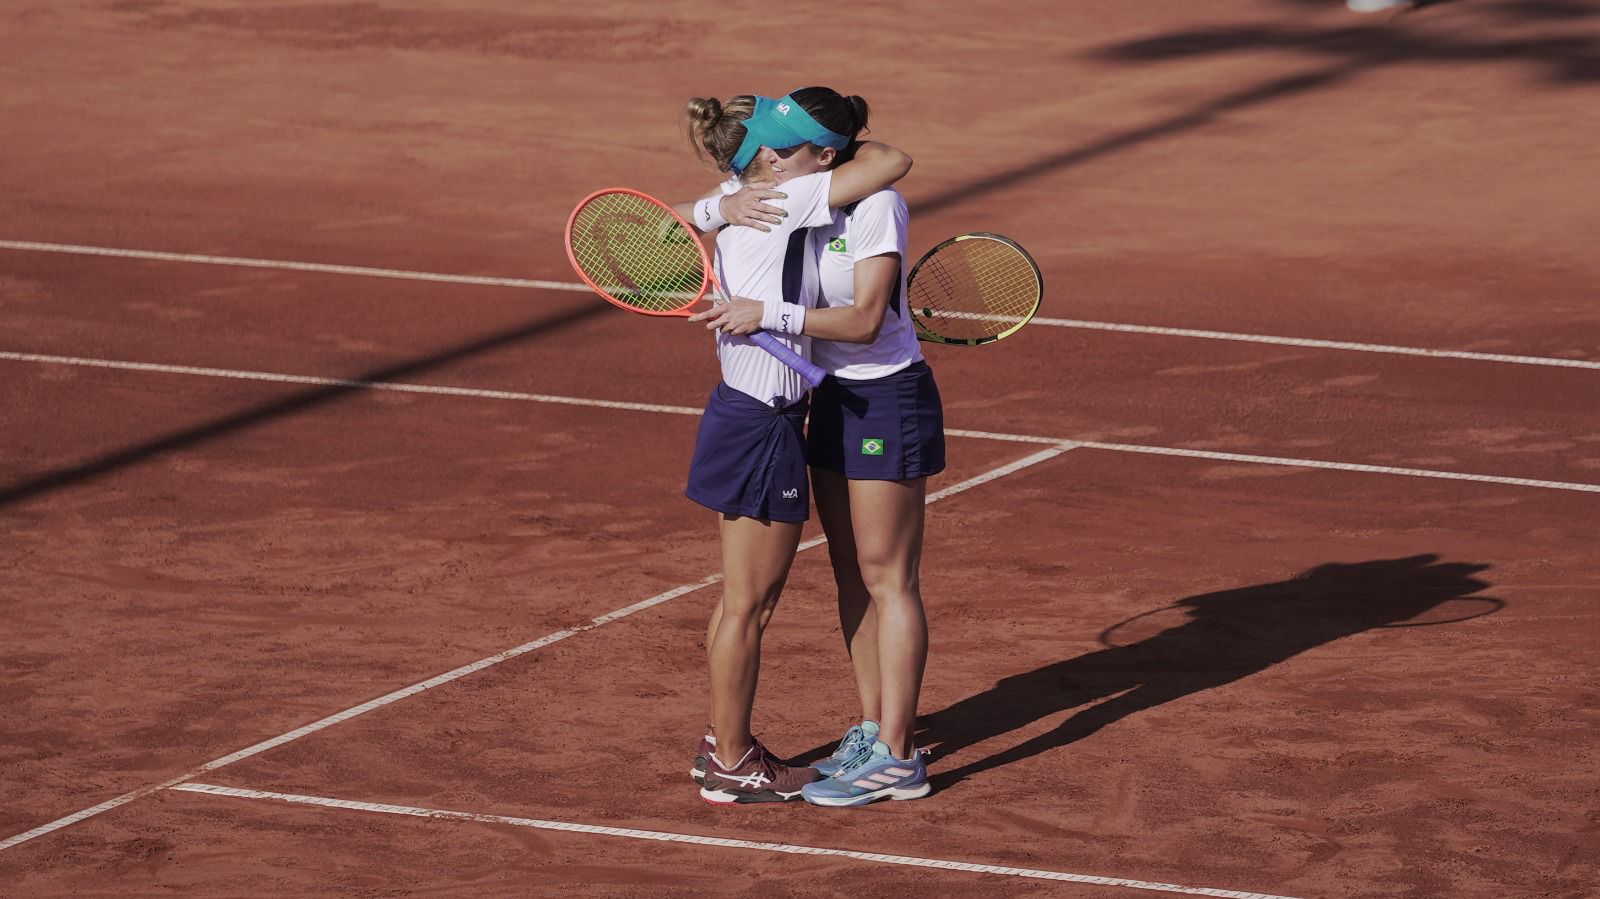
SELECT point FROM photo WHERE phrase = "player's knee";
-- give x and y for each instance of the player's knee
(890, 584)
(751, 602)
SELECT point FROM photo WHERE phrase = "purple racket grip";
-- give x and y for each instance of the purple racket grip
(805, 368)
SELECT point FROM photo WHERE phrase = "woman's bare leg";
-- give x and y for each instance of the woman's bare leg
(756, 556)
(887, 522)
(857, 615)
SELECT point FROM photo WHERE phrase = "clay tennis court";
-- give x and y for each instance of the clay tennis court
(344, 546)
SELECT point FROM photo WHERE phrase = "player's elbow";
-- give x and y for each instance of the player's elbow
(902, 163)
(892, 162)
(866, 328)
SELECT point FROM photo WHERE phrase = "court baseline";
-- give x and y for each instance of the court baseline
(723, 842)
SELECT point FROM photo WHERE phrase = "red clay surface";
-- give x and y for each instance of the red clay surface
(192, 565)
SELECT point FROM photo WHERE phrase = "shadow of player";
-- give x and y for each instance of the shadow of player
(1229, 635)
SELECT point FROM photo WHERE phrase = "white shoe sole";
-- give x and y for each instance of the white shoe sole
(723, 797)
(916, 792)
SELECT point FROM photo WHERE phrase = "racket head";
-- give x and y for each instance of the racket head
(637, 253)
(973, 289)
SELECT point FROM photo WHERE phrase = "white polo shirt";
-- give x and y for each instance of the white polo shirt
(872, 227)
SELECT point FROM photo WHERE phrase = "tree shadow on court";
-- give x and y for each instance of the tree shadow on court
(303, 401)
(1347, 50)
(1228, 635)
(1524, 10)
(1561, 58)
(1324, 4)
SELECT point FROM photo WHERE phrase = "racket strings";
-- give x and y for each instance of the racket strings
(975, 288)
(637, 253)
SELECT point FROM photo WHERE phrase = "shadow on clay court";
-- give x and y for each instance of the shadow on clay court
(1223, 637)
(1563, 57)
(1324, 4)
(1513, 9)
(1354, 49)
(303, 401)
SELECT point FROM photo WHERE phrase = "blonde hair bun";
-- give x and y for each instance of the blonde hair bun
(704, 112)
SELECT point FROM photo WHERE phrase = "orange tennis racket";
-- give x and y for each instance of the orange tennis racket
(638, 253)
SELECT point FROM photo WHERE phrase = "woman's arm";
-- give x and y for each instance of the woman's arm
(746, 206)
(876, 279)
(874, 167)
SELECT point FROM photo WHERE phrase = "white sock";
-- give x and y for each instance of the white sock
(746, 755)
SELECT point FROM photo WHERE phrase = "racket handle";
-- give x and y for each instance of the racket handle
(805, 368)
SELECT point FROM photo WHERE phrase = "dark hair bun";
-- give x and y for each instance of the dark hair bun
(860, 108)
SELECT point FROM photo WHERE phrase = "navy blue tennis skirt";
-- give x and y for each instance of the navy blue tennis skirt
(885, 429)
(749, 458)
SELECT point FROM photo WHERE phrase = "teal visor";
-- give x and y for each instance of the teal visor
(781, 124)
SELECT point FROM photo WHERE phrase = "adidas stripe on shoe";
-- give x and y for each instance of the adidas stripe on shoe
(880, 776)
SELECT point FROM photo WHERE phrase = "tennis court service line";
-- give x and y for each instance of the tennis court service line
(317, 381)
(475, 667)
(439, 277)
(1068, 442)
(288, 265)
(721, 842)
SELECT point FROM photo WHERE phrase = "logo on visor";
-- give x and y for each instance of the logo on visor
(783, 108)
(872, 446)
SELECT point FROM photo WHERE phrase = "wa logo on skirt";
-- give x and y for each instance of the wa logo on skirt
(872, 446)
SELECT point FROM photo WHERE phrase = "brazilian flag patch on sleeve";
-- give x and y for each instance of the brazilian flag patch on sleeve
(836, 245)
(872, 446)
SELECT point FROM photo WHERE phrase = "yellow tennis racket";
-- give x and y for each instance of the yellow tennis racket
(974, 289)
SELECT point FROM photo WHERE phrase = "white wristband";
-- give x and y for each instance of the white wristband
(784, 318)
(708, 214)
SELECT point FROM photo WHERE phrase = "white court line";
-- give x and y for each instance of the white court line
(1318, 344)
(473, 668)
(247, 262)
(690, 410)
(721, 842)
(1334, 466)
(315, 381)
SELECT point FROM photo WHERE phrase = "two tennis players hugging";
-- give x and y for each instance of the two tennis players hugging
(811, 246)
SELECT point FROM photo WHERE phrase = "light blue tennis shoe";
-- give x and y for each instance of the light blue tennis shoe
(852, 751)
(880, 776)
